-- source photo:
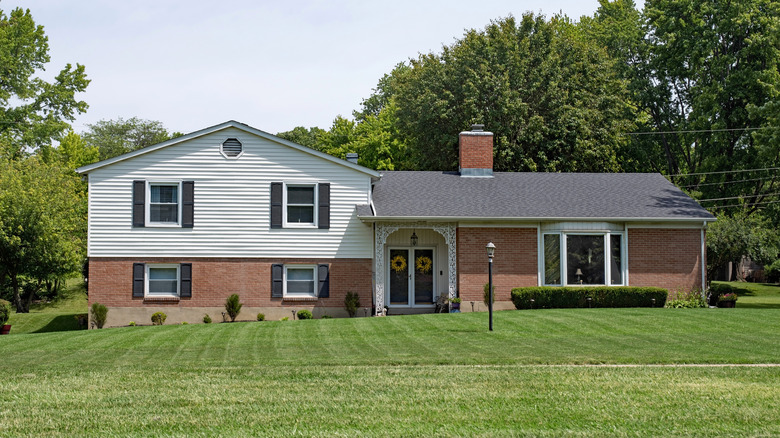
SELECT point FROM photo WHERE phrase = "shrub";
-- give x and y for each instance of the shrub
(207, 319)
(233, 306)
(326, 317)
(99, 314)
(285, 318)
(352, 303)
(456, 300)
(159, 318)
(261, 316)
(5, 311)
(184, 323)
(577, 297)
(305, 314)
(486, 294)
(686, 300)
(132, 324)
(728, 297)
(772, 272)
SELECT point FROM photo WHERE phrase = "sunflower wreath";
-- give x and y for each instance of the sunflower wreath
(398, 263)
(424, 264)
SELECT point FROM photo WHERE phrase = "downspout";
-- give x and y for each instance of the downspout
(703, 262)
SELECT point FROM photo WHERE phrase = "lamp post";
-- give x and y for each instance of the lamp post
(490, 250)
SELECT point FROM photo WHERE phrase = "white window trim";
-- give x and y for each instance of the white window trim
(167, 266)
(564, 259)
(286, 224)
(300, 295)
(148, 201)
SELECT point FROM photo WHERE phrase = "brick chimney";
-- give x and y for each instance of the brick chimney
(476, 152)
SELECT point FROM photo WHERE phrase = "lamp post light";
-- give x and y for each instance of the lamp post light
(490, 250)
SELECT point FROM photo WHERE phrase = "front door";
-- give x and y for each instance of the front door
(411, 277)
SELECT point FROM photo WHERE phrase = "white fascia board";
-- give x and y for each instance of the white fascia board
(229, 124)
(531, 219)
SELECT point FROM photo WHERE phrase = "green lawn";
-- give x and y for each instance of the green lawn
(56, 316)
(756, 295)
(426, 375)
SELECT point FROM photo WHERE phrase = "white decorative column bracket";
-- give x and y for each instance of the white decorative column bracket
(383, 231)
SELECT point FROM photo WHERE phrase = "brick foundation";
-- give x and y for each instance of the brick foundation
(213, 280)
(514, 265)
(668, 258)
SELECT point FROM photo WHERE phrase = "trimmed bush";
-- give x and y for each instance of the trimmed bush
(577, 297)
(5, 311)
(326, 317)
(99, 314)
(207, 319)
(233, 306)
(305, 314)
(352, 303)
(486, 294)
(159, 318)
(261, 316)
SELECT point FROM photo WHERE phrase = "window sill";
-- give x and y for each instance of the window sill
(161, 300)
(300, 299)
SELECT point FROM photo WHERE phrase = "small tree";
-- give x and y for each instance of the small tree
(99, 314)
(233, 306)
(352, 303)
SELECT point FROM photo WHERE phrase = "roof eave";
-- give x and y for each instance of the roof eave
(231, 123)
(531, 219)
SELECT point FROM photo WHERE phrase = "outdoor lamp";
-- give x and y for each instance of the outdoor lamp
(490, 250)
(414, 238)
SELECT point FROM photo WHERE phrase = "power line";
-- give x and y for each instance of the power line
(743, 205)
(739, 197)
(724, 182)
(726, 171)
(696, 131)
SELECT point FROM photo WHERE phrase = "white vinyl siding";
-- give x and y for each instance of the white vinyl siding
(232, 203)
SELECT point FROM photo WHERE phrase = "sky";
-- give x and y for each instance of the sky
(272, 65)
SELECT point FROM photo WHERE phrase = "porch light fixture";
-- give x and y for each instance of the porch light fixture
(490, 250)
(414, 238)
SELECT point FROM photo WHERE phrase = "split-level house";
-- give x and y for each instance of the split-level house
(179, 226)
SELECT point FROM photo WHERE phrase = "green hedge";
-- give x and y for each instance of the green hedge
(573, 297)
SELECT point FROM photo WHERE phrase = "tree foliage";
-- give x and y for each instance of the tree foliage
(731, 237)
(117, 137)
(33, 112)
(42, 225)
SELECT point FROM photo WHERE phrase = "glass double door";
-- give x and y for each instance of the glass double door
(411, 277)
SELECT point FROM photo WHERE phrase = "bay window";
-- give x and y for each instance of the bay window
(583, 258)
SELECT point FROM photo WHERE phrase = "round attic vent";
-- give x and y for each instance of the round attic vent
(232, 148)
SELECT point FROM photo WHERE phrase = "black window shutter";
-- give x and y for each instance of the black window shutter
(277, 280)
(276, 205)
(185, 279)
(188, 204)
(322, 277)
(139, 203)
(324, 205)
(139, 271)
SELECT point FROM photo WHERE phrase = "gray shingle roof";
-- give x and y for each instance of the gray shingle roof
(410, 194)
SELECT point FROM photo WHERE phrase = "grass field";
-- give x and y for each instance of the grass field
(56, 316)
(426, 375)
(756, 295)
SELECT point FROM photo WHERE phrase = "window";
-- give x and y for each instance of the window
(164, 203)
(162, 280)
(582, 259)
(300, 205)
(300, 280)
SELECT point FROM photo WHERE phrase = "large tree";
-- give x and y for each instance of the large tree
(117, 137)
(42, 224)
(33, 112)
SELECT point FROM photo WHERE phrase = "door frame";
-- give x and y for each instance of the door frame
(411, 304)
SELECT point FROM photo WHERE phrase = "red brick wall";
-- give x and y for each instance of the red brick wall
(475, 151)
(668, 258)
(514, 265)
(214, 279)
